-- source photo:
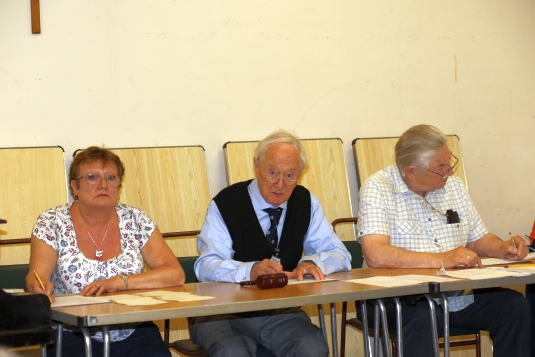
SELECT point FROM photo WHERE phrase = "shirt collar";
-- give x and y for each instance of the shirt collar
(258, 201)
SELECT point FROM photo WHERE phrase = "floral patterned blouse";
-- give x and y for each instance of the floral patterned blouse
(74, 270)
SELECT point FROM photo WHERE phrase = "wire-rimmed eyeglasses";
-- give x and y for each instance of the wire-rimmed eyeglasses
(450, 170)
(287, 178)
(94, 180)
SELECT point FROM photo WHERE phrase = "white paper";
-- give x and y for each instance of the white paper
(385, 281)
(135, 300)
(175, 296)
(489, 273)
(498, 261)
(308, 281)
(13, 291)
(75, 300)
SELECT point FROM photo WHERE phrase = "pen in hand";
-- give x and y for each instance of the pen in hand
(39, 280)
(42, 285)
(512, 240)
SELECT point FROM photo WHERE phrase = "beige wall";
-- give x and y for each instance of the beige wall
(162, 72)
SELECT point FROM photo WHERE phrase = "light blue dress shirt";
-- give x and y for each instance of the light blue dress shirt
(321, 244)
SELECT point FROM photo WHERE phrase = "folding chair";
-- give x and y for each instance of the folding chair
(372, 155)
(32, 181)
(325, 176)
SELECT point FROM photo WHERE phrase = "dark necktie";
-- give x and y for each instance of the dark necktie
(274, 217)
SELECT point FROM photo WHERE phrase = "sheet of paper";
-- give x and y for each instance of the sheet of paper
(498, 261)
(175, 296)
(439, 278)
(135, 300)
(13, 291)
(75, 300)
(385, 281)
(307, 281)
(401, 280)
(489, 273)
(527, 270)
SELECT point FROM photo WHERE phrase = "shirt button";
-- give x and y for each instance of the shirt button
(429, 219)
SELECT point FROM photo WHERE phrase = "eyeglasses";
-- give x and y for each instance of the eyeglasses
(94, 180)
(288, 178)
(450, 170)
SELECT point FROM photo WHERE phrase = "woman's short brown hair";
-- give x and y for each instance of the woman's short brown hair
(94, 154)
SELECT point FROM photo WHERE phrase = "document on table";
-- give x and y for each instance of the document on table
(489, 273)
(135, 300)
(174, 296)
(498, 261)
(308, 281)
(400, 280)
(520, 269)
(75, 300)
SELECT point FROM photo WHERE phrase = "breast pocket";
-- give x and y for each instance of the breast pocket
(412, 228)
(409, 235)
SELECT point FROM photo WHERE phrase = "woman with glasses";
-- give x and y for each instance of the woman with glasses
(96, 245)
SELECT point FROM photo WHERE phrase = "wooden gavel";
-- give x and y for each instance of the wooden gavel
(268, 281)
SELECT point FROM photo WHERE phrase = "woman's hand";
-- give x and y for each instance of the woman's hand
(99, 287)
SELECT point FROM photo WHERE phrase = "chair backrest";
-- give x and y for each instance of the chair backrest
(171, 185)
(355, 249)
(325, 175)
(374, 154)
(13, 276)
(32, 180)
(187, 264)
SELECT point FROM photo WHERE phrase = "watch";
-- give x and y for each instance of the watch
(125, 279)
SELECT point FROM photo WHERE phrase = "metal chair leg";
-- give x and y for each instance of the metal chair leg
(59, 340)
(399, 324)
(333, 330)
(386, 337)
(366, 336)
(321, 317)
(433, 319)
(445, 306)
(87, 341)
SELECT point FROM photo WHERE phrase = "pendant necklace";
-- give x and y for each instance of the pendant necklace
(99, 251)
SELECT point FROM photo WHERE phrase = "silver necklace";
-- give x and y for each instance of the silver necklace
(99, 250)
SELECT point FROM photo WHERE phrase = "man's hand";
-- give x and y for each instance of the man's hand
(306, 268)
(460, 256)
(510, 252)
(266, 266)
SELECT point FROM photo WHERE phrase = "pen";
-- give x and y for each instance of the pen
(512, 240)
(39, 280)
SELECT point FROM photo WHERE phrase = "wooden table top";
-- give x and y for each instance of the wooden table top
(233, 298)
(230, 298)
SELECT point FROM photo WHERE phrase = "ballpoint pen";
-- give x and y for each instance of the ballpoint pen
(512, 240)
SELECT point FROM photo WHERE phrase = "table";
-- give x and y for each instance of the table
(461, 284)
(230, 298)
(444, 287)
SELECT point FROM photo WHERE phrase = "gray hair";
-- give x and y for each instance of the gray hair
(417, 145)
(278, 137)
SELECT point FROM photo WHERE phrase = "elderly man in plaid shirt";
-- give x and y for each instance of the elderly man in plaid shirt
(415, 214)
